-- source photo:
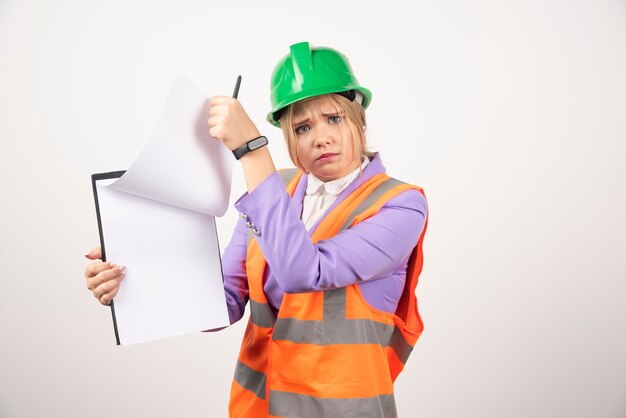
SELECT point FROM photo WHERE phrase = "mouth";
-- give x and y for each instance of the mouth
(326, 156)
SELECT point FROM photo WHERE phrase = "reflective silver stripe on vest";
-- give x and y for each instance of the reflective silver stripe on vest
(400, 345)
(250, 379)
(382, 188)
(335, 304)
(287, 175)
(345, 331)
(287, 404)
(261, 314)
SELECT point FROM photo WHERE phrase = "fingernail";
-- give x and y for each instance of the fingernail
(87, 253)
(121, 268)
(112, 265)
(122, 276)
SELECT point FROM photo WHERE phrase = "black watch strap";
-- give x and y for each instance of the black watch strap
(256, 143)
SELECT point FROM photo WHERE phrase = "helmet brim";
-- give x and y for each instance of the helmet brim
(273, 117)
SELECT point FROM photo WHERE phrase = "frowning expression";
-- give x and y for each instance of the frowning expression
(325, 144)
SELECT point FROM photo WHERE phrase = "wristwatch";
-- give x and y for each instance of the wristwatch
(256, 143)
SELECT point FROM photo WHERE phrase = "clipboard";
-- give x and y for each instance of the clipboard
(174, 280)
(94, 179)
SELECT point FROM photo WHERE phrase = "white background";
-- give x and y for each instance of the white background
(510, 114)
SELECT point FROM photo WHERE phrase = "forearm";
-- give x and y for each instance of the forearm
(257, 166)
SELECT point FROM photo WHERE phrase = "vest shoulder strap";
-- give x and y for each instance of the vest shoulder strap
(287, 174)
(372, 198)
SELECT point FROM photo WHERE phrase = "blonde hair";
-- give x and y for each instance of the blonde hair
(352, 112)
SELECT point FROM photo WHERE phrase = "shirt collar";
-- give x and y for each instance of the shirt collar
(333, 187)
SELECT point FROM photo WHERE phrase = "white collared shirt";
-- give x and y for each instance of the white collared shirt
(321, 195)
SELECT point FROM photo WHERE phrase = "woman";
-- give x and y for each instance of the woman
(328, 255)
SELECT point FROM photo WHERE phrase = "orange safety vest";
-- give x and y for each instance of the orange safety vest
(328, 353)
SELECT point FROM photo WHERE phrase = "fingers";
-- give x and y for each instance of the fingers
(215, 110)
(108, 297)
(107, 291)
(101, 273)
(218, 121)
(216, 130)
(94, 268)
(103, 278)
(221, 108)
(94, 254)
(224, 109)
(223, 117)
(217, 100)
(215, 120)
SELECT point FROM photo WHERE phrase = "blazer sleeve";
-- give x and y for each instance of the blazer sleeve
(234, 270)
(370, 250)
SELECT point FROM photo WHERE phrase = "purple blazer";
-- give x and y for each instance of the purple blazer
(372, 254)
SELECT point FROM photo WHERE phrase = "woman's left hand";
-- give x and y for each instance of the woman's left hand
(229, 122)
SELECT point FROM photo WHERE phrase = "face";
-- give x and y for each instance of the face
(325, 144)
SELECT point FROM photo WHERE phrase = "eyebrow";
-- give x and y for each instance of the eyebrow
(301, 121)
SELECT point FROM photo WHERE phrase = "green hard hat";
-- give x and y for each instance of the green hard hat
(306, 72)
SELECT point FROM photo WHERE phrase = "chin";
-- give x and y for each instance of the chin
(327, 176)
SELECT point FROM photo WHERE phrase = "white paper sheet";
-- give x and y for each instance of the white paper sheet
(158, 221)
(182, 165)
(173, 282)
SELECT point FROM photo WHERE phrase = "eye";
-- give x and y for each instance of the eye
(334, 119)
(302, 129)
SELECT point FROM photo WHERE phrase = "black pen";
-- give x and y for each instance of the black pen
(237, 84)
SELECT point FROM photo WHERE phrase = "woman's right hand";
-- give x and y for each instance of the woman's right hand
(103, 277)
(229, 122)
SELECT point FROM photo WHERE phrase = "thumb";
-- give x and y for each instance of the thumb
(94, 254)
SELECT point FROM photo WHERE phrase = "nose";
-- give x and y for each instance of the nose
(323, 136)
